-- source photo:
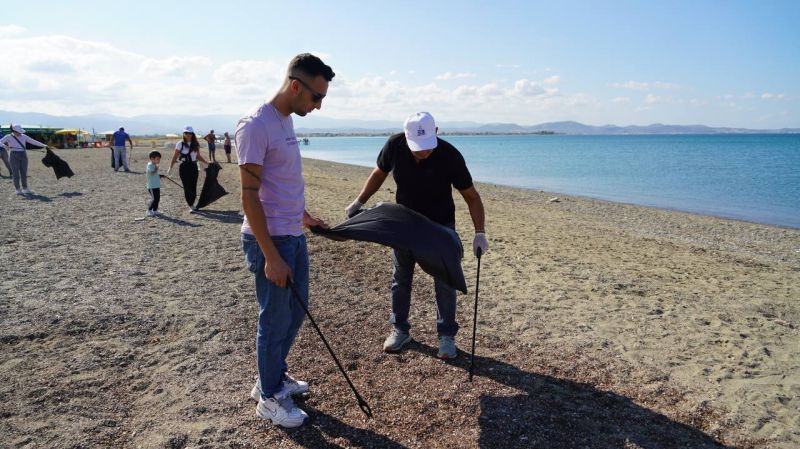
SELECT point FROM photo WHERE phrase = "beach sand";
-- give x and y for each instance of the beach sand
(600, 325)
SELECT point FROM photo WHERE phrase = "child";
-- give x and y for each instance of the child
(153, 183)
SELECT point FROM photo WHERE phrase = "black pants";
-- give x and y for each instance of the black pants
(155, 195)
(188, 172)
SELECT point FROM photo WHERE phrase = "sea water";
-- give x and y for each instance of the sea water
(753, 177)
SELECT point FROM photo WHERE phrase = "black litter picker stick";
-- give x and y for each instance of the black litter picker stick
(475, 316)
(361, 402)
(171, 180)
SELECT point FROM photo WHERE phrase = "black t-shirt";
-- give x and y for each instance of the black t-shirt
(426, 186)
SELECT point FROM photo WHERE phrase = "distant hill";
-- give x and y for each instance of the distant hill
(163, 124)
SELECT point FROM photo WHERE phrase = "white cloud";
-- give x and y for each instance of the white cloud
(244, 72)
(636, 85)
(771, 96)
(177, 66)
(621, 100)
(451, 76)
(651, 99)
(551, 80)
(62, 75)
(7, 31)
(527, 88)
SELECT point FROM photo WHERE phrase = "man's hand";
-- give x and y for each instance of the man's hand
(169, 170)
(353, 208)
(277, 271)
(480, 242)
(310, 221)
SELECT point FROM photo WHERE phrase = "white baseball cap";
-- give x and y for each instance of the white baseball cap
(188, 129)
(18, 129)
(420, 131)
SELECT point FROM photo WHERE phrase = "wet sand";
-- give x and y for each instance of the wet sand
(600, 324)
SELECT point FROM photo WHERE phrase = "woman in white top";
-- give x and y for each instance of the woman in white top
(15, 144)
(188, 151)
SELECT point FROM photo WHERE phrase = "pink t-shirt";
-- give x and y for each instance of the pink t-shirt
(266, 138)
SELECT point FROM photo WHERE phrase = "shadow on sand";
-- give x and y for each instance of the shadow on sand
(37, 197)
(70, 194)
(321, 427)
(557, 413)
(223, 216)
(176, 221)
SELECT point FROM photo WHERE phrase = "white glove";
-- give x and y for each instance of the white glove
(480, 243)
(353, 208)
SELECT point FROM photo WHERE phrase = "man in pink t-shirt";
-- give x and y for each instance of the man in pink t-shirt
(273, 242)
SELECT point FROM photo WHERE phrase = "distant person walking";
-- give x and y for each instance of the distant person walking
(153, 183)
(4, 156)
(118, 141)
(211, 139)
(274, 245)
(227, 146)
(15, 143)
(188, 152)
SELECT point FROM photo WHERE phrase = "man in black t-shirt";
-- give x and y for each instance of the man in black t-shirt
(425, 169)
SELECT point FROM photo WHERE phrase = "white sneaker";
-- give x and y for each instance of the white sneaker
(280, 409)
(151, 213)
(26, 191)
(396, 340)
(290, 384)
(18, 191)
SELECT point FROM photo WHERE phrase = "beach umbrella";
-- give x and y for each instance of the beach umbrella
(211, 191)
(362, 404)
(60, 166)
(436, 248)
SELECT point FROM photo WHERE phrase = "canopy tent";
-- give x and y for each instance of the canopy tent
(72, 138)
(41, 133)
(73, 131)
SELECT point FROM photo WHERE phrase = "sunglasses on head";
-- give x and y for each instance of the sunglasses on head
(315, 96)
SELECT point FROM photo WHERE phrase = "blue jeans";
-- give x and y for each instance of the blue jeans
(280, 316)
(402, 274)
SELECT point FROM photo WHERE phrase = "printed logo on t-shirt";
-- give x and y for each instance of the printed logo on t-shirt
(290, 141)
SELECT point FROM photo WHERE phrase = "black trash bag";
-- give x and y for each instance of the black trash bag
(60, 166)
(211, 191)
(436, 248)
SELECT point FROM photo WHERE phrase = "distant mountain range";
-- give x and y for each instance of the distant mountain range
(163, 124)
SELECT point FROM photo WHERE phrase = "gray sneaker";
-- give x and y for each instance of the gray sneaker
(447, 347)
(396, 340)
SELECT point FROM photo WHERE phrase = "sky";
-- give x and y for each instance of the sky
(718, 63)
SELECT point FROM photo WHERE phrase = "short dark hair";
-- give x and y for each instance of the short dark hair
(154, 154)
(311, 66)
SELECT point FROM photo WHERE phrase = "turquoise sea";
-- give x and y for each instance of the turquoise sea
(749, 177)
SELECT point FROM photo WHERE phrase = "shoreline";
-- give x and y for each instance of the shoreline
(587, 197)
(700, 223)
